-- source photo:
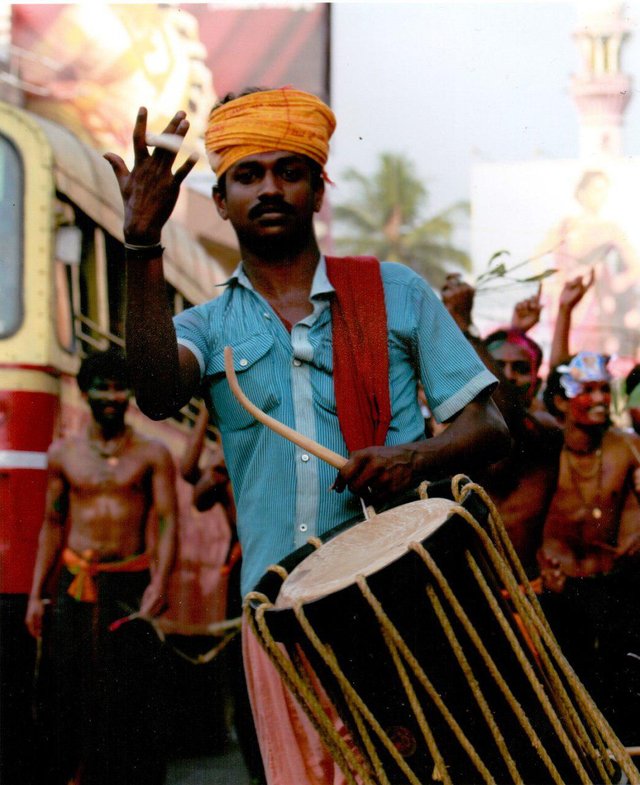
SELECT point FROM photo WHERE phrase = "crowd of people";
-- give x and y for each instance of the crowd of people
(569, 492)
(336, 348)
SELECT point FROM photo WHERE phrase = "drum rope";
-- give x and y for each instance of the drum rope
(535, 623)
(337, 746)
(486, 657)
(306, 671)
(535, 682)
(474, 686)
(535, 644)
(440, 768)
(397, 639)
(569, 713)
(279, 570)
(352, 697)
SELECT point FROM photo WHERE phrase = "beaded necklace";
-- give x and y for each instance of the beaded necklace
(578, 479)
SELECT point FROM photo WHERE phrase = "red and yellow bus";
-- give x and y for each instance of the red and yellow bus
(62, 295)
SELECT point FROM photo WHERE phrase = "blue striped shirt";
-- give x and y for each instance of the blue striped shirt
(282, 493)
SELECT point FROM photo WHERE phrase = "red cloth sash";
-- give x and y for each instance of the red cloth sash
(360, 350)
(83, 587)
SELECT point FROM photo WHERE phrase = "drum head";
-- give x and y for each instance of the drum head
(364, 549)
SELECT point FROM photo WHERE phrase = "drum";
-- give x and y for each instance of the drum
(420, 627)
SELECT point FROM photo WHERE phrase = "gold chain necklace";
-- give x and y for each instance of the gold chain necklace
(115, 446)
(577, 478)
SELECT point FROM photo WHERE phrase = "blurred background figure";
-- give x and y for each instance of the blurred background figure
(523, 482)
(203, 467)
(591, 542)
(106, 569)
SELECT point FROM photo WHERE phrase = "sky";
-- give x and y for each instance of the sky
(454, 83)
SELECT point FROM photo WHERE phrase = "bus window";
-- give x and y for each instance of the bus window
(11, 239)
(68, 253)
(89, 288)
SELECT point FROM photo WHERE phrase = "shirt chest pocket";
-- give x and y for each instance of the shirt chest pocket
(256, 368)
(322, 378)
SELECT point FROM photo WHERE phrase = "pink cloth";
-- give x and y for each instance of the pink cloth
(292, 751)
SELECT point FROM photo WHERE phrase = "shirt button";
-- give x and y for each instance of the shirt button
(244, 362)
(303, 527)
(304, 458)
(297, 363)
(266, 315)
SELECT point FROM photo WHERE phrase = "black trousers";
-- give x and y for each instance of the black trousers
(18, 757)
(597, 624)
(104, 713)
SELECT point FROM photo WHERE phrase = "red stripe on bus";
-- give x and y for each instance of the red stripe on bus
(48, 369)
(22, 497)
(27, 420)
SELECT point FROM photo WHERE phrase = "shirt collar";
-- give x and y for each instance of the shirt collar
(320, 286)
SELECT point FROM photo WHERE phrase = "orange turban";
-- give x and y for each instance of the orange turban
(282, 119)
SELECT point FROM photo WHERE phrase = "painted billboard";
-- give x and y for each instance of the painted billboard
(90, 66)
(571, 217)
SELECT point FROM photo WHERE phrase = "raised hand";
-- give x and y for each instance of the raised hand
(574, 290)
(150, 190)
(457, 297)
(526, 313)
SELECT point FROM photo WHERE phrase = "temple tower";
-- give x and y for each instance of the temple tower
(600, 89)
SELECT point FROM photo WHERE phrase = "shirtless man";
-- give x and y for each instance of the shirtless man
(589, 558)
(102, 487)
(522, 483)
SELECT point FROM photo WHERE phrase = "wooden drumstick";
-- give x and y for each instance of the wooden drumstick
(175, 143)
(309, 445)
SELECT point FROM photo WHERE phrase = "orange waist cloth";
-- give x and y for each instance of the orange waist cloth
(83, 587)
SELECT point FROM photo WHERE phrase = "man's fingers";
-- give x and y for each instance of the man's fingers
(140, 136)
(184, 170)
(178, 124)
(118, 165)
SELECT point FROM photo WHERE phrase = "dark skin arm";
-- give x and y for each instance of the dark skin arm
(458, 297)
(189, 465)
(475, 437)
(50, 542)
(164, 501)
(572, 292)
(164, 377)
(211, 485)
(526, 313)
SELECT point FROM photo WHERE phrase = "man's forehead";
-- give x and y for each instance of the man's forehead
(510, 351)
(594, 385)
(269, 158)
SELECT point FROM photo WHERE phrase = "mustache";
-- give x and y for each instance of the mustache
(269, 206)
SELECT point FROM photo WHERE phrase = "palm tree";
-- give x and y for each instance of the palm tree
(385, 219)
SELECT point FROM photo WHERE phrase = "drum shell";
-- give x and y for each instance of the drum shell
(347, 623)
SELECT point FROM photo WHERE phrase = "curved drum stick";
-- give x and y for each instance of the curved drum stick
(332, 458)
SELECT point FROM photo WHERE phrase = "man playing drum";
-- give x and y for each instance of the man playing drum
(333, 348)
